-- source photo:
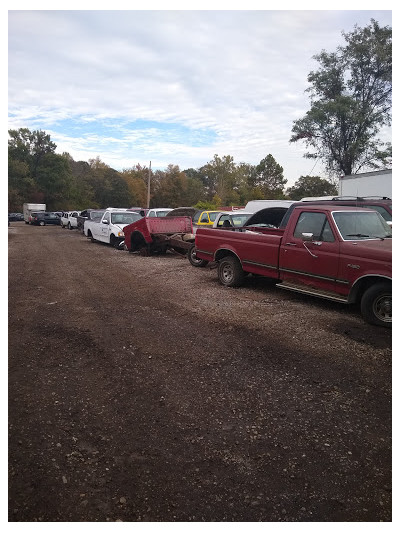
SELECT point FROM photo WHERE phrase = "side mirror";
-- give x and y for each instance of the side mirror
(105, 221)
(308, 237)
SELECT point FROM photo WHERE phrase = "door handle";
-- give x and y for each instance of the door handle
(290, 244)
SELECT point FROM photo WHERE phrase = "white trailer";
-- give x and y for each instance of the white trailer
(32, 208)
(378, 183)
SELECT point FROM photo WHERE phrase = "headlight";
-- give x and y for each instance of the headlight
(121, 234)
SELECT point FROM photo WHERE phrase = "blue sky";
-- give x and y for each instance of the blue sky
(171, 86)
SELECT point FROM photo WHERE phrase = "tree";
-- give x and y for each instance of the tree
(220, 175)
(269, 178)
(54, 179)
(171, 188)
(350, 101)
(30, 147)
(311, 186)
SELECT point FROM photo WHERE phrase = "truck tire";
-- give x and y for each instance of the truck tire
(230, 271)
(41, 223)
(376, 305)
(193, 259)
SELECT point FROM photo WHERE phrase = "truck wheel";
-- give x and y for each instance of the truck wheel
(114, 241)
(41, 223)
(376, 305)
(193, 259)
(230, 272)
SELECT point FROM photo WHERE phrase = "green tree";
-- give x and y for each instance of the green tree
(311, 186)
(30, 147)
(54, 179)
(350, 98)
(171, 188)
(268, 178)
(220, 177)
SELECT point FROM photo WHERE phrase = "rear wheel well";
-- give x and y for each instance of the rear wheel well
(225, 253)
(364, 284)
(137, 241)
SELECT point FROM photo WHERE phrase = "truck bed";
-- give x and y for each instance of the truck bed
(258, 250)
(149, 226)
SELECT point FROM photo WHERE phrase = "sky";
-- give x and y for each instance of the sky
(172, 86)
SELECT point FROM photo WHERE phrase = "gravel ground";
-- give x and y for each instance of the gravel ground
(140, 389)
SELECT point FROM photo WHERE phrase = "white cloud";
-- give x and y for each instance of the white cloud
(239, 74)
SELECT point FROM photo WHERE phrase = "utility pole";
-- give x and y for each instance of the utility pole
(148, 187)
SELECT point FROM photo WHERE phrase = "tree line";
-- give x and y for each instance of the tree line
(350, 101)
(38, 174)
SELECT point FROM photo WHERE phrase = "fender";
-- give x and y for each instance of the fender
(362, 283)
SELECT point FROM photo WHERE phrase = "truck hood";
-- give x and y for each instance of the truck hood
(369, 249)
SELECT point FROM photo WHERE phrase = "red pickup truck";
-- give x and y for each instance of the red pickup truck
(334, 252)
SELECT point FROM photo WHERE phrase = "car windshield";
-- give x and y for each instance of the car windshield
(356, 225)
(124, 218)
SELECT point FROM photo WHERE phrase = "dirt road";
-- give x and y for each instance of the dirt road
(142, 390)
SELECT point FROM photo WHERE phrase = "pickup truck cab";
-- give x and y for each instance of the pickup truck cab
(109, 228)
(335, 252)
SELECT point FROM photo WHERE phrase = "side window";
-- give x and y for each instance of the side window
(223, 219)
(196, 218)
(107, 217)
(204, 219)
(315, 223)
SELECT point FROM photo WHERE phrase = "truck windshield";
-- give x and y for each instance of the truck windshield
(124, 218)
(354, 225)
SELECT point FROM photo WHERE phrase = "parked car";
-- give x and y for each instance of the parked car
(184, 212)
(231, 219)
(205, 218)
(44, 218)
(69, 219)
(13, 217)
(88, 214)
(158, 212)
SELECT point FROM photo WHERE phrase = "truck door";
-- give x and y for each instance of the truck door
(105, 227)
(312, 264)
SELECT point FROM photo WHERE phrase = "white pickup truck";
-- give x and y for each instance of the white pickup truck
(69, 219)
(109, 228)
